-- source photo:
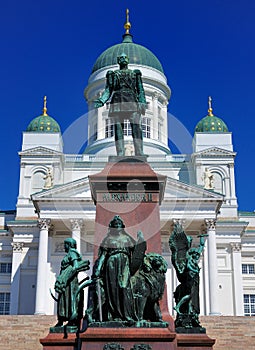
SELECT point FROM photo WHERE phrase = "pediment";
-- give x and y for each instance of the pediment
(78, 189)
(179, 190)
(39, 151)
(214, 152)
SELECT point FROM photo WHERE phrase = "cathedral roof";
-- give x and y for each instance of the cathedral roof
(211, 123)
(137, 54)
(43, 123)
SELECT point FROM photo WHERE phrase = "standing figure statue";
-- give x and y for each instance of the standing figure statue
(48, 179)
(119, 257)
(208, 179)
(185, 261)
(69, 301)
(125, 88)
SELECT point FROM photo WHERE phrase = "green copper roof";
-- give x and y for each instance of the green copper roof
(43, 123)
(137, 54)
(211, 123)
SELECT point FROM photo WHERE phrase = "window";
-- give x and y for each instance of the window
(249, 304)
(127, 128)
(5, 303)
(248, 269)
(109, 128)
(146, 126)
(5, 267)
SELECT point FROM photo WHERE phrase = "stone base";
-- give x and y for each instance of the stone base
(194, 342)
(113, 338)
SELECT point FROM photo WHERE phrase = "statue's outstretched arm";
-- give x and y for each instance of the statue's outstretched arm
(108, 90)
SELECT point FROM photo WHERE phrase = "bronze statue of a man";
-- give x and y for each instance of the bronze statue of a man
(125, 88)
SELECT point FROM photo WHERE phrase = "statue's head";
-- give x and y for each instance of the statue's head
(116, 222)
(123, 59)
(70, 243)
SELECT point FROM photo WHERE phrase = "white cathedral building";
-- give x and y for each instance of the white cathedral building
(54, 200)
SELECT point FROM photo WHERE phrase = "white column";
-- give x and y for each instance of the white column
(22, 179)
(41, 290)
(76, 225)
(165, 120)
(213, 267)
(206, 280)
(155, 115)
(17, 258)
(237, 278)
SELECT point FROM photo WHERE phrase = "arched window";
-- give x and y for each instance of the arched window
(37, 181)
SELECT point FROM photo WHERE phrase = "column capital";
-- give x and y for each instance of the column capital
(236, 246)
(17, 247)
(210, 224)
(44, 224)
(76, 224)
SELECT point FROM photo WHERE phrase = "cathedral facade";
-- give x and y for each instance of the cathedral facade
(55, 202)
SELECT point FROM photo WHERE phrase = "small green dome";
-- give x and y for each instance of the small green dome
(137, 54)
(43, 123)
(211, 123)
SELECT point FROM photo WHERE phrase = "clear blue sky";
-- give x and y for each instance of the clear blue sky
(205, 47)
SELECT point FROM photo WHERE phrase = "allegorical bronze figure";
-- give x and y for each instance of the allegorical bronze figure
(129, 283)
(125, 88)
(69, 301)
(185, 261)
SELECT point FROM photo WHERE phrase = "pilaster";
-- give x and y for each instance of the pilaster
(17, 258)
(237, 278)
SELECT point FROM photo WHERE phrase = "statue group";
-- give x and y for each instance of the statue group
(124, 289)
(127, 283)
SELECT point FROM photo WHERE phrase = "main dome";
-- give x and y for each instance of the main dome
(137, 54)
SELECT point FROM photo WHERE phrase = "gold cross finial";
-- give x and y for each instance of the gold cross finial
(127, 25)
(210, 110)
(45, 105)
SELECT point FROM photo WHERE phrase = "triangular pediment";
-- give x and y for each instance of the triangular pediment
(39, 151)
(182, 191)
(78, 189)
(214, 152)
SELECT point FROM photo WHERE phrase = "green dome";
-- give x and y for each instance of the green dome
(137, 54)
(43, 123)
(211, 123)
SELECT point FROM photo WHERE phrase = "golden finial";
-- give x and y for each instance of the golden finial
(44, 105)
(210, 113)
(127, 25)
